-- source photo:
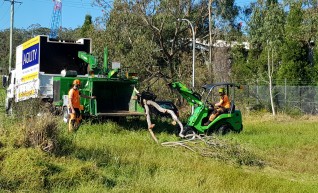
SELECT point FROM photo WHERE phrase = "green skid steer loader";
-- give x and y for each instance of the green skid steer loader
(222, 124)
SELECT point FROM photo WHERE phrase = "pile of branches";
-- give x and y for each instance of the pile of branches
(220, 149)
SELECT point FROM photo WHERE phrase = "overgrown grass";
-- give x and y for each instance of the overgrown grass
(122, 157)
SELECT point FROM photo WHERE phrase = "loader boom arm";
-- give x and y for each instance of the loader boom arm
(191, 97)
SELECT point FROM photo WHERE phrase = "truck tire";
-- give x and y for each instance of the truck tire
(9, 106)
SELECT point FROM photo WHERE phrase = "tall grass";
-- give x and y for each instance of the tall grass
(122, 157)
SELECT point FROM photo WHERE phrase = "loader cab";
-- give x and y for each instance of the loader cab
(210, 93)
(223, 123)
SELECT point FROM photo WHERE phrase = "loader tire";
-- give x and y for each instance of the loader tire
(189, 132)
(223, 129)
(241, 129)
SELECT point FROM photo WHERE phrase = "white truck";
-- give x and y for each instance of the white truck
(38, 74)
(38, 60)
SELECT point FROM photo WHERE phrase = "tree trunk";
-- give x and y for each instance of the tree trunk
(270, 77)
(151, 126)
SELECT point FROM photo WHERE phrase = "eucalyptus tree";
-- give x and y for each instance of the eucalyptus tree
(274, 28)
(224, 15)
(19, 36)
(265, 32)
(266, 37)
(4, 50)
(147, 32)
(144, 33)
(87, 26)
(295, 61)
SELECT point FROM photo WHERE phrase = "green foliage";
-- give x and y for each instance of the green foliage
(266, 30)
(295, 61)
(226, 9)
(241, 67)
(87, 26)
(287, 36)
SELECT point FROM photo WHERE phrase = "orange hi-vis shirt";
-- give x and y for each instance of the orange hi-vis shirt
(74, 96)
(225, 102)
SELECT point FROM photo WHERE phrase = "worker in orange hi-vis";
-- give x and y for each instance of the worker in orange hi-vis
(222, 106)
(75, 106)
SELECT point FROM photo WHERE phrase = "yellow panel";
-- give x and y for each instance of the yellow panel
(31, 76)
(26, 93)
(31, 42)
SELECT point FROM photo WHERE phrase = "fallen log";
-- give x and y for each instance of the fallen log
(151, 126)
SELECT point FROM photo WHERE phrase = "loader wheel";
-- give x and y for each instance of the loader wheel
(188, 132)
(223, 129)
(239, 131)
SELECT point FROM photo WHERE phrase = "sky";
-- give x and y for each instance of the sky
(40, 12)
(31, 12)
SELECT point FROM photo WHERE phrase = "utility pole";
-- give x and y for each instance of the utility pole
(193, 52)
(210, 37)
(11, 30)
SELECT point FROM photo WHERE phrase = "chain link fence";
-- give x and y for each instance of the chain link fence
(287, 99)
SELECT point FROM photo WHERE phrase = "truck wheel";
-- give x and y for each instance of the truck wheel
(66, 116)
(9, 106)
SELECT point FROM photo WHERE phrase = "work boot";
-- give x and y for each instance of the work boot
(71, 125)
(211, 118)
(207, 123)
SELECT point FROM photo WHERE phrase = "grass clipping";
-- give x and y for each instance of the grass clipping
(39, 131)
(220, 149)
